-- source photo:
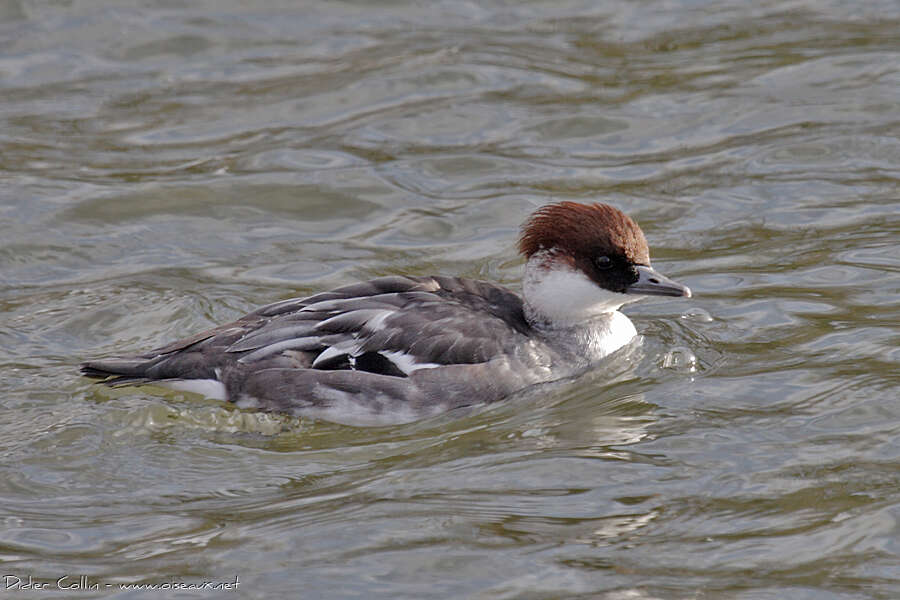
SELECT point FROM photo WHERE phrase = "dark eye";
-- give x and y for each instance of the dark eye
(603, 262)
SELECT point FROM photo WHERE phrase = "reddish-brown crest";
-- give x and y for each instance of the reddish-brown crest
(584, 230)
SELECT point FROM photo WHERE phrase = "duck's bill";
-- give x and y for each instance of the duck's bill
(651, 283)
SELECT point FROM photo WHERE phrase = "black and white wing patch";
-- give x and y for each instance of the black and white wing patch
(388, 326)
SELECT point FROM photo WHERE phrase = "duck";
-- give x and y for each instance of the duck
(398, 349)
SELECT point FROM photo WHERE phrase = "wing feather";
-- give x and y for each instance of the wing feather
(412, 322)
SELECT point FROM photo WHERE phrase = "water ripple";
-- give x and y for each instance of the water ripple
(166, 168)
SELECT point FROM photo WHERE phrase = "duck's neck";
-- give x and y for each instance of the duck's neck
(563, 303)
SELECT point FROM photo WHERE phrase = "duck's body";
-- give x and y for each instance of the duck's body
(397, 349)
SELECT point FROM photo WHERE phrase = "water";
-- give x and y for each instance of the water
(168, 166)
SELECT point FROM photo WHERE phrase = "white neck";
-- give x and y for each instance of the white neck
(558, 296)
(565, 303)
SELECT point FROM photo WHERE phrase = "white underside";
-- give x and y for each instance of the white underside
(342, 407)
(345, 408)
(211, 388)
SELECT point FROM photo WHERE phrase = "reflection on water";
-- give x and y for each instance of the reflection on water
(170, 166)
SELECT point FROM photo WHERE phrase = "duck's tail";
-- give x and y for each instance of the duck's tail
(120, 371)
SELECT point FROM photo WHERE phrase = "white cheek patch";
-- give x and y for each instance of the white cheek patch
(565, 296)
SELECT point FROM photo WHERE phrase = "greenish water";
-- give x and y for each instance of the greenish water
(167, 166)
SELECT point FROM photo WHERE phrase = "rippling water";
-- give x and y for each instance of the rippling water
(166, 166)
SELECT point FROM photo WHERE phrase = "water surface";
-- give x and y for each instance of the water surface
(168, 166)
